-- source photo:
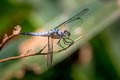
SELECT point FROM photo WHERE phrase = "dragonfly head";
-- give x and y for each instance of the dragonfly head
(66, 33)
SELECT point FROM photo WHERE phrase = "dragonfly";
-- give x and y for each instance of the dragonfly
(56, 33)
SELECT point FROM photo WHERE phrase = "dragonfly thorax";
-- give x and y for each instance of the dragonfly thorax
(56, 33)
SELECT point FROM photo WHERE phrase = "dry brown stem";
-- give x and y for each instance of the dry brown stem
(29, 52)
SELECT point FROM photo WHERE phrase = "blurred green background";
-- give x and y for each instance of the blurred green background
(95, 57)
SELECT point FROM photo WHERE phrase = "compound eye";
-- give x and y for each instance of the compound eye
(67, 33)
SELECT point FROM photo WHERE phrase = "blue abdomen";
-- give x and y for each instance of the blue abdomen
(35, 34)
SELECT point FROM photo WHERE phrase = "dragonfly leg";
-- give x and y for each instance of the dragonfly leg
(65, 39)
(69, 39)
(59, 43)
(66, 42)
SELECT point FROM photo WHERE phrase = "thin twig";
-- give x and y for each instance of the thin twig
(22, 56)
(40, 52)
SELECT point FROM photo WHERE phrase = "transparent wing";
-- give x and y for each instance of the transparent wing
(50, 50)
(75, 17)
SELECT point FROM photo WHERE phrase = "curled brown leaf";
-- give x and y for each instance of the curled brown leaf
(16, 31)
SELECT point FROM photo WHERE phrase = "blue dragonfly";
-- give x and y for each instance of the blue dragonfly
(58, 34)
